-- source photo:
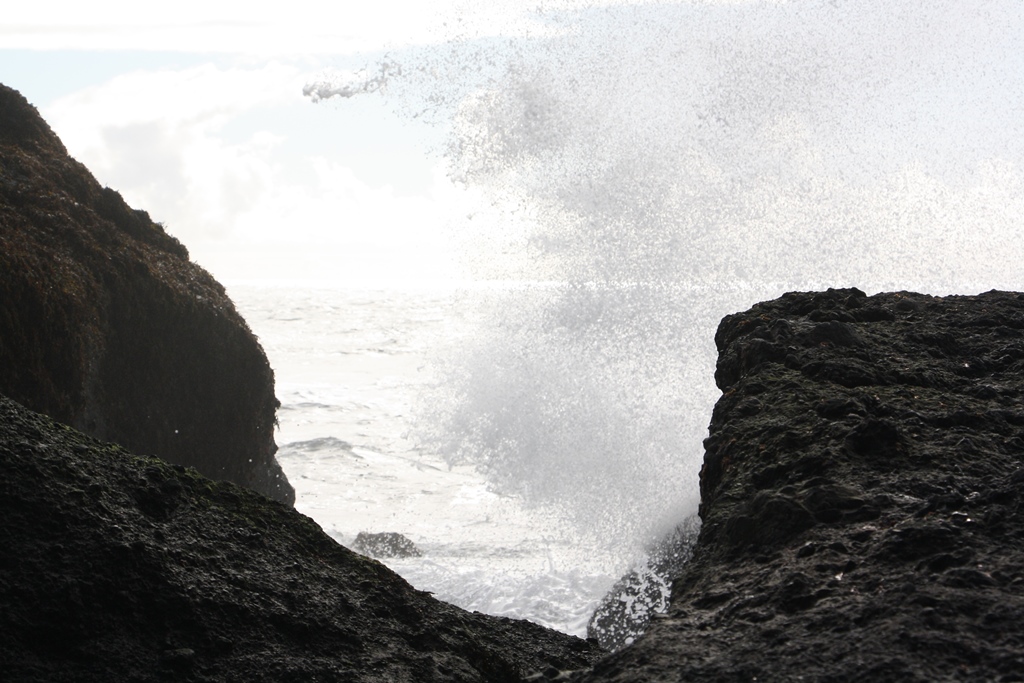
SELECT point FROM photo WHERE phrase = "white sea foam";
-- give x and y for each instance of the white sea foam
(663, 165)
(346, 413)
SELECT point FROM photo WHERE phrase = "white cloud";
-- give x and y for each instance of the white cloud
(157, 137)
(249, 200)
(198, 95)
(266, 28)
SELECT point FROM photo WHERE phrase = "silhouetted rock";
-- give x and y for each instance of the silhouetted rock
(385, 544)
(625, 612)
(115, 567)
(862, 499)
(107, 326)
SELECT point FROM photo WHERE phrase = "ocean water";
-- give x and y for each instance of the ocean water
(665, 164)
(353, 368)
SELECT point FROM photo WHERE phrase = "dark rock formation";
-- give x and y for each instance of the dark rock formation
(385, 544)
(122, 568)
(625, 612)
(862, 499)
(107, 326)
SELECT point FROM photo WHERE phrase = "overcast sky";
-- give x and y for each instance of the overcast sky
(194, 111)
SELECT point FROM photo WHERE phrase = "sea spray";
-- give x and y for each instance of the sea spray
(657, 166)
(570, 397)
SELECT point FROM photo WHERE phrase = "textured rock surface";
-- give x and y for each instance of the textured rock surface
(385, 544)
(107, 326)
(862, 496)
(120, 568)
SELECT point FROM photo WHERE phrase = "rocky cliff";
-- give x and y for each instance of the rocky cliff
(107, 326)
(862, 499)
(122, 568)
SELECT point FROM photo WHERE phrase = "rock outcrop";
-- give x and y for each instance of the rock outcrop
(122, 568)
(384, 545)
(107, 326)
(862, 499)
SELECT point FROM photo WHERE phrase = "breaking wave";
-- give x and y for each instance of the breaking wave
(659, 166)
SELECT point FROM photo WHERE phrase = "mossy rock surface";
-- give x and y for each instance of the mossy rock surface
(115, 567)
(106, 325)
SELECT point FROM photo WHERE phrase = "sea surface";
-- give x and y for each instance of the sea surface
(352, 366)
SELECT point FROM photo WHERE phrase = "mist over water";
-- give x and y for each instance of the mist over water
(578, 398)
(651, 168)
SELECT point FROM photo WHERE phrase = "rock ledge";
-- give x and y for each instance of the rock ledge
(862, 498)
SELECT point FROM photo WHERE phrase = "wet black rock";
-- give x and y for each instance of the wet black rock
(861, 499)
(115, 567)
(385, 544)
(643, 592)
(107, 326)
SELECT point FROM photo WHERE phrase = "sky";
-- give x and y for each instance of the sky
(199, 113)
(194, 111)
